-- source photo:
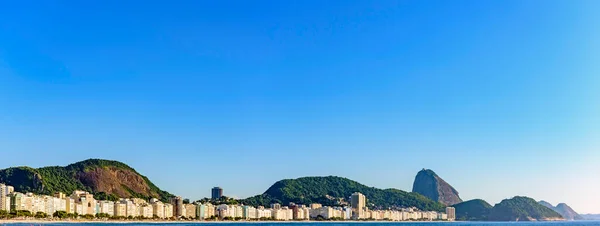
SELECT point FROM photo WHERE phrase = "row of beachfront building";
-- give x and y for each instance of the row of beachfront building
(83, 203)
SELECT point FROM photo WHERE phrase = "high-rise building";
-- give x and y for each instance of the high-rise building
(177, 203)
(217, 193)
(358, 202)
(120, 209)
(205, 211)
(87, 201)
(5, 190)
(451, 213)
(158, 208)
(168, 210)
(146, 211)
(190, 211)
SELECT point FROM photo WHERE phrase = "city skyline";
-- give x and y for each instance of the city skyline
(217, 192)
(497, 97)
(83, 204)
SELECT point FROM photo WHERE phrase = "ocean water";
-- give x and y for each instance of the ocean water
(555, 223)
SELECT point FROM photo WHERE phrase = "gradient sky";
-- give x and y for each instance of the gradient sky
(500, 98)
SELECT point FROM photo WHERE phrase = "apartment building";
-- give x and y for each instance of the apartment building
(146, 210)
(451, 213)
(169, 210)
(158, 208)
(5, 191)
(107, 207)
(120, 209)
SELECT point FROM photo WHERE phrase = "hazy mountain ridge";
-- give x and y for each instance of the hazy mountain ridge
(590, 216)
(564, 210)
(520, 208)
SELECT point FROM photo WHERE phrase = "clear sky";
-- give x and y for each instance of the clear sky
(500, 98)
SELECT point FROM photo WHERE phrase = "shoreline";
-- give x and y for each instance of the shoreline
(193, 222)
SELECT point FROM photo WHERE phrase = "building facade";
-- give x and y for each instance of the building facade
(190, 211)
(158, 208)
(451, 213)
(216, 193)
(5, 191)
(359, 203)
(168, 210)
(177, 203)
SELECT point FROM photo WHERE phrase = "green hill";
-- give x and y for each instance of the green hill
(473, 210)
(522, 209)
(334, 191)
(104, 178)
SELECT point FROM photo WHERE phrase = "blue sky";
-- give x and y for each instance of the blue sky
(500, 98)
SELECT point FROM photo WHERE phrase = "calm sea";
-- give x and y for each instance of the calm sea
(565, 223)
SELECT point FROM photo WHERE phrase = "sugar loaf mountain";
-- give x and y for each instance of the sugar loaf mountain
(110, 180)
(434, 187)
(429, 184)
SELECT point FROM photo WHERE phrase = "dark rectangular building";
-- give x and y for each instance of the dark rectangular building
(217, 193)
(177, 203)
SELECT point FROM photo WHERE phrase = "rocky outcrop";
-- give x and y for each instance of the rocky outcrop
(113, 180)
(430, 185)
(104, 178)
(564, 210)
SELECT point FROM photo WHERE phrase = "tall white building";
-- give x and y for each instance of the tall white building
(168, 210)
(120, 209)
(146, 211)
(158, 208)
(283, 214)
(7, 207)
(359, 203)
(5, 190)
(107, 207)
(132, 209)
(225, 211)
(263, 213)
(205, 211)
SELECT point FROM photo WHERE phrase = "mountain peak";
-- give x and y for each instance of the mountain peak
(546, 204)
(430, 185)
(106, 179)
(564, 210)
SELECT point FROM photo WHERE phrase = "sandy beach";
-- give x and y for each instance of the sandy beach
(37, 221)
